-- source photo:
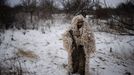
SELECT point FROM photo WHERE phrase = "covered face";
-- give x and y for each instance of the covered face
(78, 21)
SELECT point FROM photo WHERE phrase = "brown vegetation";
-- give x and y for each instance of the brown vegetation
(27, 54)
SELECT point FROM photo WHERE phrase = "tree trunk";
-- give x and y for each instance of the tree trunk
(31, 16)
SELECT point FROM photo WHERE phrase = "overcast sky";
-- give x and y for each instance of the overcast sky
(14, 2)
(111, 3)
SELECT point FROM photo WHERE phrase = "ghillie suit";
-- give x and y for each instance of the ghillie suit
(80, 43)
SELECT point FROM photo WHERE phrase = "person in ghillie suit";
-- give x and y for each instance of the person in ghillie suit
(79, 42)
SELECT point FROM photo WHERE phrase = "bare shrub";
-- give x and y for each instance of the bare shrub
(75, 6)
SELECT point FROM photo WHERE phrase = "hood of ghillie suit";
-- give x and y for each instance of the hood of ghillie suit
(85, 27)
(75, 20)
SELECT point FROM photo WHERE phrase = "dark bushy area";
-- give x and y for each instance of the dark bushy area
(29, 12)
(7, 16)
(125, 11)
(75, 6)
(120, 18)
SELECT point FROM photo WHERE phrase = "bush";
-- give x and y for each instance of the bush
(6, 16)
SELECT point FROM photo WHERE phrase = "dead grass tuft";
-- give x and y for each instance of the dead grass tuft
(28, 54)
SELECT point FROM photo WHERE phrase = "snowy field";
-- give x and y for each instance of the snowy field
(43, 53)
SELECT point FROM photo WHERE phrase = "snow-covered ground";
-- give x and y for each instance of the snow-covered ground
(114, 54)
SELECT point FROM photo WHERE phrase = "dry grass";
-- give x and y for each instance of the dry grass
(27, 54)
(14, 66)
